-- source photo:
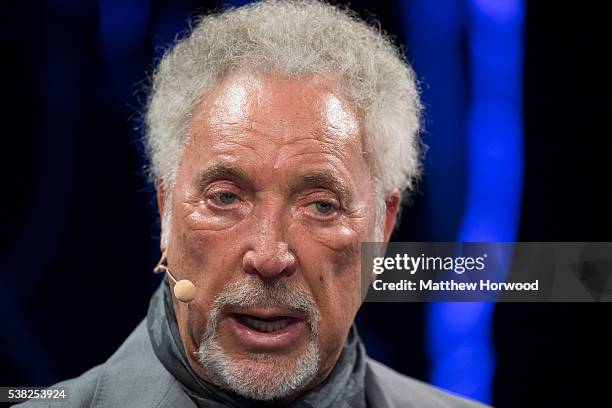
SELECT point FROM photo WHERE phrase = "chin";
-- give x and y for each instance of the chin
(259, 376)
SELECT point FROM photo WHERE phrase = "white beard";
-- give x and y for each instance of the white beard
(260, 376)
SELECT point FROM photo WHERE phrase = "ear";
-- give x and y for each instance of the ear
(393, 205)
(161, 202)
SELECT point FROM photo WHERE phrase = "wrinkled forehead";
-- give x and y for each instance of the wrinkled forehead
(282, 108)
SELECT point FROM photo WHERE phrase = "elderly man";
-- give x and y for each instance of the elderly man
(281, 136)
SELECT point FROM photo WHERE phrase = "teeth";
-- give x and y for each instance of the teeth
(264, 326)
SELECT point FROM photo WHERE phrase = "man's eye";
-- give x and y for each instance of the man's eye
(226, 197)
(323, 207)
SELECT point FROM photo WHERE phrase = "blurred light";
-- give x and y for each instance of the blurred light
(434, 30)
(458, 337)
(123, 27)
(123, 24)
(499, 11)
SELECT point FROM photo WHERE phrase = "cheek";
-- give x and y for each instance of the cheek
(209, 259)
(341, 238)
(205, 255)
(208, 254)
(192, 324)
(326, 255)
(330, 260)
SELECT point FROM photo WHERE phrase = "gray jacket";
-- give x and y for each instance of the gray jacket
(134, 377)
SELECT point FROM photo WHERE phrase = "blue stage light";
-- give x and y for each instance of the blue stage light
(459, 334)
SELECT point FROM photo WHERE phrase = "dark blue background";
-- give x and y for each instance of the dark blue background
(79, 228)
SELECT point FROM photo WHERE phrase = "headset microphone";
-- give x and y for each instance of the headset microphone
(184, 290)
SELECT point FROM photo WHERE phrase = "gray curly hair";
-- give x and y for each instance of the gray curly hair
(296, 37)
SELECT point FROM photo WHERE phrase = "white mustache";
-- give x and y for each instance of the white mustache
(253, 292)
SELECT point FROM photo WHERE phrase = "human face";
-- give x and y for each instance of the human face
(272, 199)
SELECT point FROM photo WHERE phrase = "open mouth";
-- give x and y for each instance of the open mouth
(264, 329)
(265, 324)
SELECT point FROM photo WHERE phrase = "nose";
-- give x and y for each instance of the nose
(270, 256)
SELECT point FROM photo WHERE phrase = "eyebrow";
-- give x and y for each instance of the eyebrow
(325, 180)
(223, 171)
(317, 179)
